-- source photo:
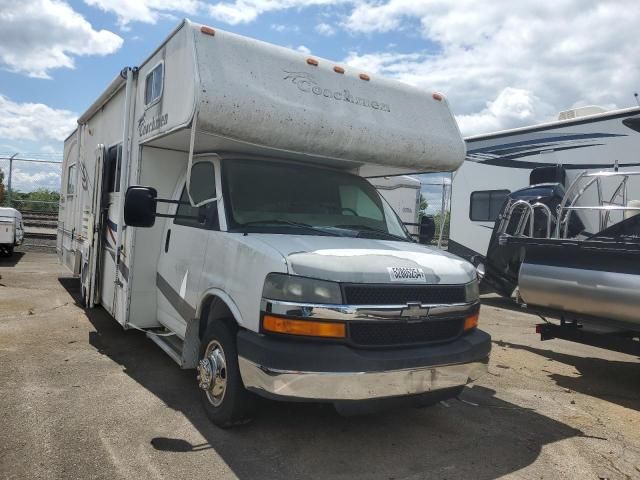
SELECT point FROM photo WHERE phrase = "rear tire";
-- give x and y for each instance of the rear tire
(224, 398)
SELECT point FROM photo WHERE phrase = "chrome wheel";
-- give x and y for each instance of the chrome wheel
(212, 373)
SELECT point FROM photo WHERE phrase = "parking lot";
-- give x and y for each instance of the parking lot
(82, 398)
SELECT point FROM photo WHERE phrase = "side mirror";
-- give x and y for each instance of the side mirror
(427, 229)
(140, 206)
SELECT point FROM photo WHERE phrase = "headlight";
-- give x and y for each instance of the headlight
(472, 291)
(291, 288)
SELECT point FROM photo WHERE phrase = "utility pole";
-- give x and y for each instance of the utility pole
(9, 203)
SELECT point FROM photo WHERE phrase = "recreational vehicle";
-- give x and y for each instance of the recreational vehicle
(11, 230)
(554, 222)
(402, 192)
(499, 163)
(217, 199)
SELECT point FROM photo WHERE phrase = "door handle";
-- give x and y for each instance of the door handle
(166, 241)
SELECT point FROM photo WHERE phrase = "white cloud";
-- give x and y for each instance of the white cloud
(285, 28)
(40, 35)
(28, 178)
(147, 11)
(502, 65)
(325, 29)
(303, 49)
(34, 121)
(245, 11)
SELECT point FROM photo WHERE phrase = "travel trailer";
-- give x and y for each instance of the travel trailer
(499, 163)
(11, 230)
(216, 198)
(402, 192)
(549, 215)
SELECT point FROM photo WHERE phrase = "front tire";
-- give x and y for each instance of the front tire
(224, 398)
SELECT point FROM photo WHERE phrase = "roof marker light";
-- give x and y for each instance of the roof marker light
(207, 30)
(312, 61)
(338, 69)
(438, 96)
(364, 76)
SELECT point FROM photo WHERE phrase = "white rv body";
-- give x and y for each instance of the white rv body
(501, 162)
(403, 194)
(212, 100)
(11, 229)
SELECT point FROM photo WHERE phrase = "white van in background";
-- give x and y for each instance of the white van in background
(11, 230)
(222, 206)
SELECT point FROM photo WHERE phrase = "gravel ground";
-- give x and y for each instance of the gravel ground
(81, 398)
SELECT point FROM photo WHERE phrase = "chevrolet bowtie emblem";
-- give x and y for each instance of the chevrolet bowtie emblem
(414, 310)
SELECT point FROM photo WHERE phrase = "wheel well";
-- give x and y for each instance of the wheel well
(214, 309)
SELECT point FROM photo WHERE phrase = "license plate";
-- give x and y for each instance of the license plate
(406, 274)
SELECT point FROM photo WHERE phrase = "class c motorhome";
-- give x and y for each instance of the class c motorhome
(217, 199)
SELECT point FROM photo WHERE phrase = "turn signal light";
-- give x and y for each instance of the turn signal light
(303, 327)
(471, 321)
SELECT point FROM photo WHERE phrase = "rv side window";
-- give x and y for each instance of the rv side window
(485, 205)
(114, 157)
(71, 180)
(153, 84)
(203, 187)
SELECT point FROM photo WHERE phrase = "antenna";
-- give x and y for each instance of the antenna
(636, 96)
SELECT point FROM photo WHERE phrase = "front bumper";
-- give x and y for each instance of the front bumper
(332, 372)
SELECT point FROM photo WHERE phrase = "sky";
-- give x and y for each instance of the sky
(501, 64)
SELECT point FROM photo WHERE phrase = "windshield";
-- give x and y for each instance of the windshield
(270, 196)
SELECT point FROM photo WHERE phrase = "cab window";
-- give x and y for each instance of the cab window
(203, 187)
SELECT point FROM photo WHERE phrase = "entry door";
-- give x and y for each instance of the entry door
(89, 275)
(183, 251)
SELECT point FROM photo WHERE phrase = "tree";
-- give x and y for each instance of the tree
(39, 195)
(1, 187)
(422, 209)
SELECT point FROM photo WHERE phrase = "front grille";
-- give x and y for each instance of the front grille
(403, 294)
(379, 334)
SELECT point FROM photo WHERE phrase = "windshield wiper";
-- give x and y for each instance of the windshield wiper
(365, 229)
(288, 223)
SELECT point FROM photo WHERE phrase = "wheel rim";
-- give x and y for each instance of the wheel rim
(212, 373)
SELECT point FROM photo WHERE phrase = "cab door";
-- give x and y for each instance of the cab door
(184, 246)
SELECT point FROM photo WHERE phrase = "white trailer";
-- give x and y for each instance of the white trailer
(11, 230)
(403, 194)
(272, 265)
(585, 139)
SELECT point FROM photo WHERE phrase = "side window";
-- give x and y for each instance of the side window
(71, 180)
(355, 201)
(153, 84)
(485, 205)
(114, 158)
(203, 187)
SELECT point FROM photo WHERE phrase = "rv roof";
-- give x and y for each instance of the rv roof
(625, 112)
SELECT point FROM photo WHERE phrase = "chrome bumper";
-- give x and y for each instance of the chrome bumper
(357, 385)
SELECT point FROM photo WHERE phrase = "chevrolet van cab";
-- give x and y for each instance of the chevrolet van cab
(225, 210)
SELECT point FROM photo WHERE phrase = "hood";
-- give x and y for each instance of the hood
(361, 260)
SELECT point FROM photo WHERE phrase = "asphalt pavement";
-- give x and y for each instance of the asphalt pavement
(80, 398)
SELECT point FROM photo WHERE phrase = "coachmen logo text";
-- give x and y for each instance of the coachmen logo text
(155, 123)
(306, 83)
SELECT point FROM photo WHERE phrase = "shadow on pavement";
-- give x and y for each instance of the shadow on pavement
(504, 303)
(12, 260)
(611, 380)
(481, 437)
